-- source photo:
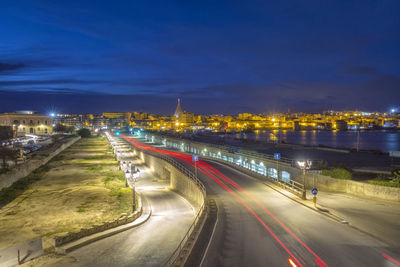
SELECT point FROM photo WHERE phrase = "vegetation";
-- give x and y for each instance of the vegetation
(384, 183)
(392, 180)
(84, 133)
(338, 173)
(7, 154)
(83, 185)
(6, 132)
(8, 194)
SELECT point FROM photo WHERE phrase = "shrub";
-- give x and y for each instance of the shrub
(385, 183)
(338, 173)
(84, 132)
(396, 176)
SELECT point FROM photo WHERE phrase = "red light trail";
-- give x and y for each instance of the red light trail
(215, 175)
(391, 259)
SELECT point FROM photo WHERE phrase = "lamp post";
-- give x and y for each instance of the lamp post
(131, 177)
(304, 165)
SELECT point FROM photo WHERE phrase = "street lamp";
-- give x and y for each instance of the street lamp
(304, 165)
(131, 177)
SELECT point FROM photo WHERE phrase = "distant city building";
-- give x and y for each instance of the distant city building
(27, 122)
(178, 109)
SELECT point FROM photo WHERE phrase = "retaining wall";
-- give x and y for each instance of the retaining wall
(326, 183)
(22, 170)
(178, 181)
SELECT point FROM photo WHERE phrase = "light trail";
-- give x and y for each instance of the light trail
(391, 259)
(211, 172)
(292, 263)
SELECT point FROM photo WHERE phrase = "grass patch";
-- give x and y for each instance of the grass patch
(81, 209)
(385, 183)
(100, 157)
(338, 173)
(94, 168)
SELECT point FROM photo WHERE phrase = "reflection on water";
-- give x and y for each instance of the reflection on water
(381, 140)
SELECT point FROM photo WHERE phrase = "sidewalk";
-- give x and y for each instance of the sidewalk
(377, 218)
(380, 218)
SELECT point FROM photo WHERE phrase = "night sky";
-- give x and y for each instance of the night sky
(217, 56)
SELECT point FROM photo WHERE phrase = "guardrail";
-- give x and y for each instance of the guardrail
(293, 186)
(175, 255)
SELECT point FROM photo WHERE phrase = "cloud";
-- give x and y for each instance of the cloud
(361, 70)
(44, 82)
(9, 66)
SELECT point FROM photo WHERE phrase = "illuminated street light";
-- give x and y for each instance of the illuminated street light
(304, 165)
(131, 178)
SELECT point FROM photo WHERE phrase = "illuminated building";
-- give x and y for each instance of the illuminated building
(27, 122)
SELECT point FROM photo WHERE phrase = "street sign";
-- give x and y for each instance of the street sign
(277, 156)
(195, 158)
(314, 191)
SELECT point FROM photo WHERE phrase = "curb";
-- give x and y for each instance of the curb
(98, 236)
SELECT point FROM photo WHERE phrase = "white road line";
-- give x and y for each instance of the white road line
(209, 242)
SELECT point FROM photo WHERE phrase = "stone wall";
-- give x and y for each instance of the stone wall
(326, 183)
(22, 170)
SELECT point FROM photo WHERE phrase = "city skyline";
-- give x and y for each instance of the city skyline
(220, 57)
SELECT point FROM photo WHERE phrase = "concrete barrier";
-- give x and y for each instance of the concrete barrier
(179, 181)
(10, 177)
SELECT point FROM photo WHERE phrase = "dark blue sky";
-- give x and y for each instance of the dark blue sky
(218, 56)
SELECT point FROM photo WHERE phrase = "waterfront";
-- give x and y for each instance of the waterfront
(384, 140)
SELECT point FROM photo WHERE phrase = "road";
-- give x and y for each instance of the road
(149, 244)
(380, 218)
(258, 226)
(335, 243)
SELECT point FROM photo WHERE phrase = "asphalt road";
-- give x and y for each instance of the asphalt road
(242, 239)
(150, 244)
(380, 218)
(258, 226)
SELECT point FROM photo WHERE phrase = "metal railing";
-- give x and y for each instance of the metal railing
(293, 186)
(180, 167)
(228, 149)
